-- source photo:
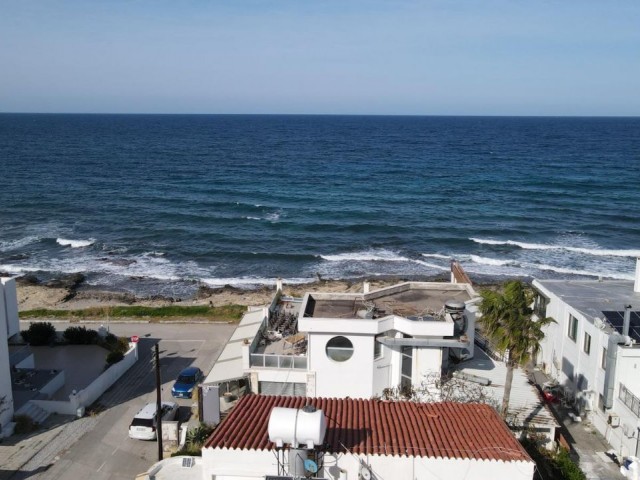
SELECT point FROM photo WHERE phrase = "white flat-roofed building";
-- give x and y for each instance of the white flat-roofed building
(9, 326)
(351, 344)
(593, 351)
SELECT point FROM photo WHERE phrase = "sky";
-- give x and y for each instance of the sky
(448, 57)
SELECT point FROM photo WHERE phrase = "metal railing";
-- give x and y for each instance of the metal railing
(263, 360)
(489, 348)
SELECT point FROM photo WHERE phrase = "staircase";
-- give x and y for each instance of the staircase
(32, 410)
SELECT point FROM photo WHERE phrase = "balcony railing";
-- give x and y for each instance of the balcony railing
(278, 361)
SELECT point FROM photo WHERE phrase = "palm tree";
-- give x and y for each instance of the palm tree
(507, 321)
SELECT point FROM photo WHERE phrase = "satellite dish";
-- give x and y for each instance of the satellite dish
(365, 473)
(310, 466)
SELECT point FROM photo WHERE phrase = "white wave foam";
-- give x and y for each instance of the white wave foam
(366, 256)
(541, 246)
(436, 255)
(586, 273)
(75, 243)
(253, 218)
(431, 265)
(491, 261)
(252, 281)
(273, 217)
(19, 243)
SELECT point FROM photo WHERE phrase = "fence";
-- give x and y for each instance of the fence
(490, 349)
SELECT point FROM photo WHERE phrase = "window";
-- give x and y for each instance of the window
(630, 400)
(603, 360)
(540, 305)
(339, 349)
(587, 343)
(406, 367)
(573, 328)
(377, 348)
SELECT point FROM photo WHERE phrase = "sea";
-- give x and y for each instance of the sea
(164, 204)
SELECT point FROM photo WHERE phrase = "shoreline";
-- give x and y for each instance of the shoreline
(74, 295)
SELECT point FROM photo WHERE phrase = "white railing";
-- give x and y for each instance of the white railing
(262, 360)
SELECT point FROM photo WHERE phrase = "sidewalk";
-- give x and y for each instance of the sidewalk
(22, 456)
(588, 445)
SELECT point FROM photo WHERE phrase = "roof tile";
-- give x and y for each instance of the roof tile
(450, 430)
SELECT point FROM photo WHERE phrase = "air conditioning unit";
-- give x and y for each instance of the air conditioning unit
(614, 420)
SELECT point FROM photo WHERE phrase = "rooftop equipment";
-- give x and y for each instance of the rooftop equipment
(295, 427)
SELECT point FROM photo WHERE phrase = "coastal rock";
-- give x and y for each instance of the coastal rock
(28, 279)
(69, 281)
(105, 297)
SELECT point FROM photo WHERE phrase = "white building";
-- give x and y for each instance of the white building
(9, 326)
(351, 344)
(593, 351)
(365, 439)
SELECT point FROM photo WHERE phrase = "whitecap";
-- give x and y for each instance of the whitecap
(491, 261)
(75, 243)
(436, 255)
(541, 246)
(366, 256)
(18, 243)
(248, 282)
(570, 271)
(252, 218)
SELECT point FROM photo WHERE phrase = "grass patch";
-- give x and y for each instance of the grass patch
(228, 313)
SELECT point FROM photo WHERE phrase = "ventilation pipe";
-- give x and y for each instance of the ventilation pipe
(615, 339)
(636, 285)
(365, 286)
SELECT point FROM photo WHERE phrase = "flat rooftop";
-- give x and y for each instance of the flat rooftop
(406, 300)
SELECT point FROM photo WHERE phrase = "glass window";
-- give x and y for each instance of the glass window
(339, 349)
(603, 360)
(406, 366)
(377, 348)
(587, 343)
(573, 328)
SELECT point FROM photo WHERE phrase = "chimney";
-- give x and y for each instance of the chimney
(627, 320)
(636, 285)
(365, 286)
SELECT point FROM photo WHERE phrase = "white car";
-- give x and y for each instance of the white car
(143, 426)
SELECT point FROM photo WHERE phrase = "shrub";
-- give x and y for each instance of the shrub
(114, 357)
(567, 468)
(39, 333)
(24, 424)
(80, 336)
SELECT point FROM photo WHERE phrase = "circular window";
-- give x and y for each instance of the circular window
(339, 349)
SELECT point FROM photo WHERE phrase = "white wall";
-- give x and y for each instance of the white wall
(425, 361)
(245, 464)
(351, 378)
(11, 305)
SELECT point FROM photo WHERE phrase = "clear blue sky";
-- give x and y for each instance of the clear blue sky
(448, 57)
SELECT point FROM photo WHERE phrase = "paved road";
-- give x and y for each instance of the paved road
(102, 448)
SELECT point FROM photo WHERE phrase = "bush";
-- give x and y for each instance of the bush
(39, 333)
(114, 357)
(567, 468)
(24, 424)
(80, 336)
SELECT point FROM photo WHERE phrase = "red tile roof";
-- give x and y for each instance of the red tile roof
(374, 427)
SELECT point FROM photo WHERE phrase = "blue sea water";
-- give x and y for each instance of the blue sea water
(163, 203)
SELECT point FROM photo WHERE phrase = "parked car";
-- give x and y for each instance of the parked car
(186, 382)
(144, 424)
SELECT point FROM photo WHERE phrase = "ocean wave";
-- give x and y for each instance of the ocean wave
(75, 243)
(431, 265)
(253, 218)
(252, 281)
(366, 256)
(541, 246)
(8, 245)
(436, 255)
(492, 261)
(570, 271)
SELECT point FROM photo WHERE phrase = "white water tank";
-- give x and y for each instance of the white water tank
(293, 426)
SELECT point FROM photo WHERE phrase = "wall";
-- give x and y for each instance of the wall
(351, 378)
(5, 372)
(10, 306)
(90, 394)
(238, 464)
(54, 385)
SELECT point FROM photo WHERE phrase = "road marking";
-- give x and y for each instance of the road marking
(100, 468)
(114, 452)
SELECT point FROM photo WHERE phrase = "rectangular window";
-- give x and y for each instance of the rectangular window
(377, 348)
(603, 360)
(540, 305)
(406, 366)
(587, 343)
(630, 400)
(573, 328)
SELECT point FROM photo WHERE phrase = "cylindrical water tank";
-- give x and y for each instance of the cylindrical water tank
(297, 426)
(454, 306)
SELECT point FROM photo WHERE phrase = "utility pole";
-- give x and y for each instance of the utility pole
(158, 402)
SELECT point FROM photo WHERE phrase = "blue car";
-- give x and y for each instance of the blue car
(186, 382)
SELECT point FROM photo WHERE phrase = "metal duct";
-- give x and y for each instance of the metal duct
(423, 342)
(627, 320)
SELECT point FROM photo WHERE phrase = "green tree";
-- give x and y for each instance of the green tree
(507, 319)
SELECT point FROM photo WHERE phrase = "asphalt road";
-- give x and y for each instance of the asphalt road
(105, 450)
